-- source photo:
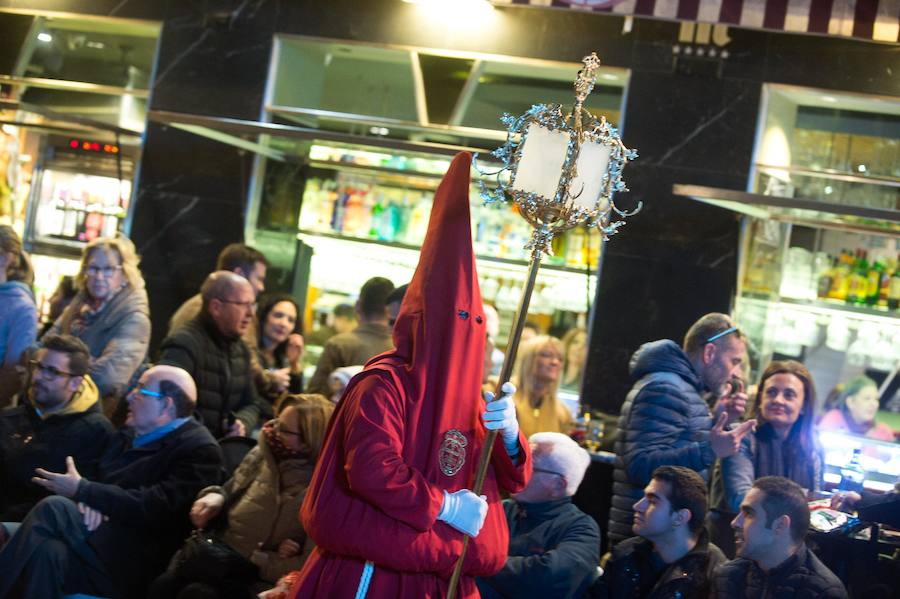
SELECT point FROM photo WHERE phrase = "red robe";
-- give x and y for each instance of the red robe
(408, 428)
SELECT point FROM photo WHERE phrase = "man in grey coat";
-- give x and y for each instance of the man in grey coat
(666, 420)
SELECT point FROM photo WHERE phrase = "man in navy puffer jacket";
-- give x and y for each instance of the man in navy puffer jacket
(666, 420)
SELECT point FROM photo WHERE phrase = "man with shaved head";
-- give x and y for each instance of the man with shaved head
(110, 535)
(209, 347)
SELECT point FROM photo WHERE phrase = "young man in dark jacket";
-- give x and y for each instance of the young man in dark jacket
(553, 546)
(665, 419)
(671, 558)
(59, 416)
(773, 561)
(109, 535)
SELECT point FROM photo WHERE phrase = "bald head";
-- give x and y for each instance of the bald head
(176, 383)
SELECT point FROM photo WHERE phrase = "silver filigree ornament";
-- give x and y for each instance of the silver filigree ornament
(543, 154)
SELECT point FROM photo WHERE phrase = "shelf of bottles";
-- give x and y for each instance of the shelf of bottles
(368, 212)
(78, 207)
(844, 298)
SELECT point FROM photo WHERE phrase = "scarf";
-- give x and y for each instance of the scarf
(776, 457)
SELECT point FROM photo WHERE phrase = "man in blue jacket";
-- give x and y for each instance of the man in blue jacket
(666, 419)
(109, 535)
(554, 547)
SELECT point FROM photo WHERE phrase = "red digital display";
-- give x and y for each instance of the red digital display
(93, 146)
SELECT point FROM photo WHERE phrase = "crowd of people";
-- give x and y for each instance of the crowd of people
(114, 477)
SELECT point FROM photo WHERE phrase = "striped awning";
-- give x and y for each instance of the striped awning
(877, 20)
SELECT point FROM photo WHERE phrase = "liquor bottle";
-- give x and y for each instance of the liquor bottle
(859, 283)
(885, 283)
(840, 284)
(873, 282)
(852, 474)
(826, 279)
(311, 204)
(340, 207)
(893, 300)
(376, 224)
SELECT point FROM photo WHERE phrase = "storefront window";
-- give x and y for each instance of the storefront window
(816, 280)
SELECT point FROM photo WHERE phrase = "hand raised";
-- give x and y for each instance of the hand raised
(60, 484)
(726, 443)
(294, 350)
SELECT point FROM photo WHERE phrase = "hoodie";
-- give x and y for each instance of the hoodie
(18, 329)
(409, 428)
(31, 438)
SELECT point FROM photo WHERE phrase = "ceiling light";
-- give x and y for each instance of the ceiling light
(44, 37)
(829, 99)
(862, 168)
(828, 189)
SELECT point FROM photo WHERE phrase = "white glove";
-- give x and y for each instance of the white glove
(465, 511)
(501, 415)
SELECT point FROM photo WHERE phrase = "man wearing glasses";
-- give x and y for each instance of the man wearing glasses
(58, 416)
(666, 419)
(209, 347)
(554, 547)
(108, 535)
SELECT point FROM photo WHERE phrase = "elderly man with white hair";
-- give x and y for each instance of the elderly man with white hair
(110, 535)
(554, 547)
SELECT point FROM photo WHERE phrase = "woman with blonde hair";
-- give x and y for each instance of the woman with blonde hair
(110, 314)
(18, 313)
(575, 344)
(255, 513)
(537, 377)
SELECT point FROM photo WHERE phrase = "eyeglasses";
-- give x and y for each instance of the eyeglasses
(51, 372)
(727, 331)
(140, 389)
(251, 304)
(107, 271)
(535, 469)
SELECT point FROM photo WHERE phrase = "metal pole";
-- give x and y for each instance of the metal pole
(512, 347)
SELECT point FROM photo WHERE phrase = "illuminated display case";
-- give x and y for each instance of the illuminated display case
(819, 267)
(82, 191)
(880, 459)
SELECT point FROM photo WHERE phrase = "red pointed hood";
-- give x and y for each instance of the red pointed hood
(440, 332)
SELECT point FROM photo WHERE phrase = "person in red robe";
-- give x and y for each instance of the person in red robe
(389, 499)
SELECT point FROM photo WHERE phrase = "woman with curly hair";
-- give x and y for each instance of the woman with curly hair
(111, 315)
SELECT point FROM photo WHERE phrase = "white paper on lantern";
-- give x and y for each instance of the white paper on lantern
(542, 159)
(593, 160)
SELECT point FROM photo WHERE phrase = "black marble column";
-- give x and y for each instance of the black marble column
(192, 191)
(677, 259)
